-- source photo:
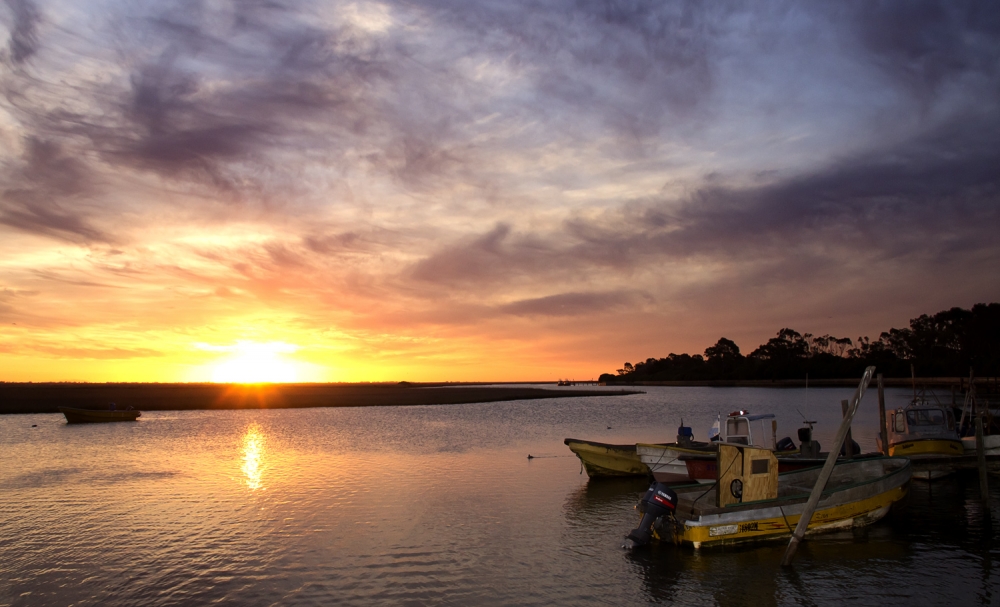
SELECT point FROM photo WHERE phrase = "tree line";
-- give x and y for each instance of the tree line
(946, 344)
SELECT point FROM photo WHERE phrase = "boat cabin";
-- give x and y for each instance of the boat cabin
(751, 430)
(918, 422)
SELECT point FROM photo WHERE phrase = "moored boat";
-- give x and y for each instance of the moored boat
(923, 430)
(991, 444)
(665, 461)
(82, 416)
(859, 493)
(603, 459)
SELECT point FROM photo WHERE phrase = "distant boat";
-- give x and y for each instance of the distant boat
(84, 416)
(603, 459)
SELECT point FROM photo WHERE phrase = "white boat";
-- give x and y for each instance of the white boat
(991, 442)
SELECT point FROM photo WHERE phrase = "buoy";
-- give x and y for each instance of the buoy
(34, 425)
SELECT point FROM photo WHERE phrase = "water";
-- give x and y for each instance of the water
(436, 505)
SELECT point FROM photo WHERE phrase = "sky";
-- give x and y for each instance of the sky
(435, 190)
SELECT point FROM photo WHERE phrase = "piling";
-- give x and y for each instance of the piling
(824, 475)
(881, 416)
(984, 486)
(849, 441)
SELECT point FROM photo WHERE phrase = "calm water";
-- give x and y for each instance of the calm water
(435, 505)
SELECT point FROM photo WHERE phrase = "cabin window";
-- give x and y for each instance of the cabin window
(951, 420)
(900, 424)
(759, 466)
(738, 427)
(925, 417)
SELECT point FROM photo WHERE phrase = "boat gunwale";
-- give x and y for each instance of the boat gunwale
(790, 500)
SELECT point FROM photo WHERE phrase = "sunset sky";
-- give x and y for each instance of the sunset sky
(504, 190)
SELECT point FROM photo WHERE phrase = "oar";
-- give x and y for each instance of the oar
(824, 475)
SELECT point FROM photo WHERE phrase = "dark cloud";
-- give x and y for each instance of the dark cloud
(23, 40)
(924, 43)
(933, 196)
(575, 304)
(42, 193)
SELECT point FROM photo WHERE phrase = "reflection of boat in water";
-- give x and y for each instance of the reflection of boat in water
(753, 502)
(921, 430)
(82, 416)
(603, 459)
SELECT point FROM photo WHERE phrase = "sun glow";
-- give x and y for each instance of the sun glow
(253, 363)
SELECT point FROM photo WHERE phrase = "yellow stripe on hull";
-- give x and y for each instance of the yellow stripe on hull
(845, 516)
(927, 446)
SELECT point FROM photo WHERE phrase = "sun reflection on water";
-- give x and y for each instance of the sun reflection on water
(254, 442)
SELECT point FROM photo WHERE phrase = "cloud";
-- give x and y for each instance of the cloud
(575, 304)
(43, 191)
(23, 40)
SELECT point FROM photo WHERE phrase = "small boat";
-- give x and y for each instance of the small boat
(923, 430)
(757, 503)
(664, 460)
(83, 416)
(743, 428)
(991, 444)
(602, 459)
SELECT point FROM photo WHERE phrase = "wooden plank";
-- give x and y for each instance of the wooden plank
(881, 415)
(729, 468)
(824, 475)
(760, 474)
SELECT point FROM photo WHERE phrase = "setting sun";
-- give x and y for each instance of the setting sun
(253, 363)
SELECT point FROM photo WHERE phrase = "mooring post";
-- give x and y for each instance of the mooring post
(849, 442)
(881, 416)
(984, 486)
(824, 475)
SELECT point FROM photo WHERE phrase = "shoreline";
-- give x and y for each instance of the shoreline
(18, 398)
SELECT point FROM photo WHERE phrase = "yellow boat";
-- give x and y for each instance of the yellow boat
(83, 416)
(859, 493)
(603, 459)
(923, 430)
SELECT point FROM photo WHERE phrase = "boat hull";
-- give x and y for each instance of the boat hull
(863, 494)
(603, 459)
(991, 442)
(89, 416)
(665, 463)
(927, 446)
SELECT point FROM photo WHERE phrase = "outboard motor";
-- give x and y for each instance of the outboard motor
(809, 448)
(658, 501)
(785, 444)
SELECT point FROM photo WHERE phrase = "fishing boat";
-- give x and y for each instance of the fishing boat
(664, 460)
(754, 502)
(83, 416)
(756, 430)
(991, 444)
(603, 459)
(923, 430)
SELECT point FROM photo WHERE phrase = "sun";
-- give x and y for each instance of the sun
(254, 363)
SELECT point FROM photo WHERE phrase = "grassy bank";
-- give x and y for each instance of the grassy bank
(47, 398)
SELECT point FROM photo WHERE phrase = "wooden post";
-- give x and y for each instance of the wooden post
(824, 475)
(984, 485)
(881, 416)
(848, 442)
